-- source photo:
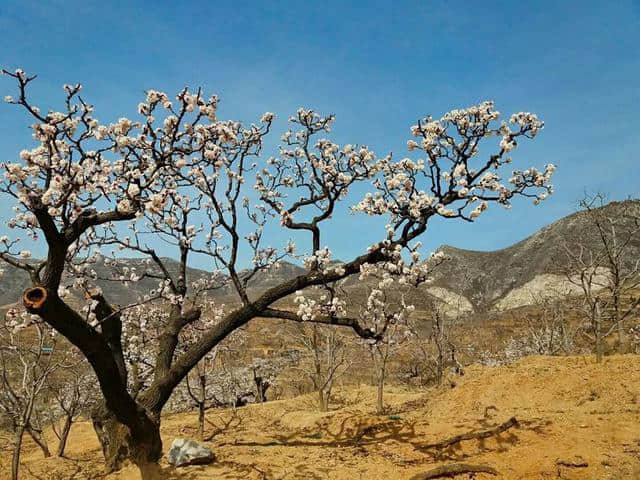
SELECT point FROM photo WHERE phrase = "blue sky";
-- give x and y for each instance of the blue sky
(379, 66)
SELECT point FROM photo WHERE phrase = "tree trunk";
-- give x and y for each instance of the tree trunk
(64, 435)
(203, 397)
(144, 448)
(598, 335)
(40, 441)
(15, 461)
(201, 420)
(380, 388)
(621, 336)
(322, 401)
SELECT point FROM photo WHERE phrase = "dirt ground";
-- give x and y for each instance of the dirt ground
(570, 412)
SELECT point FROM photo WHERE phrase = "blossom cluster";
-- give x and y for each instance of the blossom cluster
(458, 184)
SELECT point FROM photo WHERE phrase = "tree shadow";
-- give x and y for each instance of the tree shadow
(500, 441)
(91, 471)
(234, 421)
(357, 431)
(79, 471)
(242, 471)
(352, 430)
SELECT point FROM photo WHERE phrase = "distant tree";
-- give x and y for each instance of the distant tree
(73, 393)
(324, 360)
(547, 330)
(178, 176)
(605, 269)
(225, 378)
(439, 349)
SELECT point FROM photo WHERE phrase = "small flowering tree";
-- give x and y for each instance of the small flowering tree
(73, 393)
(178, 175)
(387, 314)
(28, 358)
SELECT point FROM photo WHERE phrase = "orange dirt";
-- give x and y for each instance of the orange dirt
(570, 410)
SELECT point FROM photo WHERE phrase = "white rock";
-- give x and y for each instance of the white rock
(185, 451)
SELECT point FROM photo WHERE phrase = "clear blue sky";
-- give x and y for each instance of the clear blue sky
(378, 66)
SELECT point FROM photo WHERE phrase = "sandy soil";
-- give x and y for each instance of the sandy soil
(569, 410)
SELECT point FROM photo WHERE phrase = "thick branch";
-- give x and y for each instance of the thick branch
(90, 218)
(453, 469)
(91, 343)
(342, 322)
(111, 330)
(512, 422)
(168, 339)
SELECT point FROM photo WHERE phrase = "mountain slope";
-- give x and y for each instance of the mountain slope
(472, 280)
(498, 279)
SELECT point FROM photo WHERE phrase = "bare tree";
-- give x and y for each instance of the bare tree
(178, 177)
(326, 359)
(199, 393)
(634, 334)
(605, 268)
(441, 340)
(547, 330)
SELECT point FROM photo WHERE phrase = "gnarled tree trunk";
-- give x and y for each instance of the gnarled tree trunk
(119, 443)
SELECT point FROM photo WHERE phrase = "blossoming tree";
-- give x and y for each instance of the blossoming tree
(28, 358)
(387, 313)
(179, 176)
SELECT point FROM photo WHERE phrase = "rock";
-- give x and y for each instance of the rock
(185, 451)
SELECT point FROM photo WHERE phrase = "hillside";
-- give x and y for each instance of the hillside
(506, 278)
(569, 411)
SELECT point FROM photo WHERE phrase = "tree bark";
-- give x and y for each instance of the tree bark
(323, 402)
(619, 323)
(119, 443)
(201, 405)
(201, 420)
(380, 393)
(598, 335)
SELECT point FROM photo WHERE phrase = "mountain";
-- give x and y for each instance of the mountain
(468, 281)
(511, 277)
(14, 281)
